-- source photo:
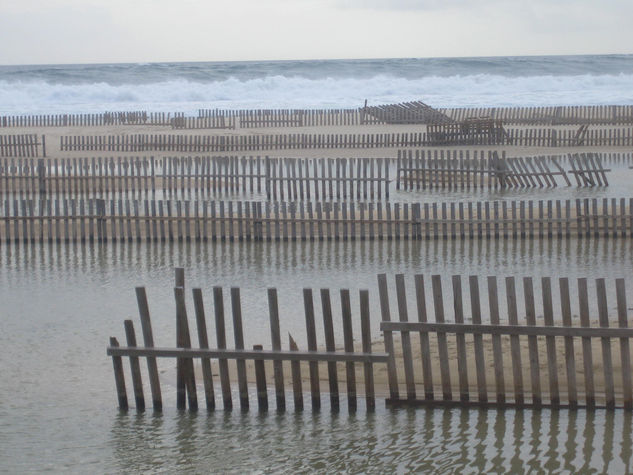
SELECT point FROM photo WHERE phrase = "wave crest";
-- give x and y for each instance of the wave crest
(40, 97)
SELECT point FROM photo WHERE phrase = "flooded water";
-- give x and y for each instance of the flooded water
(58, 408)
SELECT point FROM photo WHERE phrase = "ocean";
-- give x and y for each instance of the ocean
(439, 82)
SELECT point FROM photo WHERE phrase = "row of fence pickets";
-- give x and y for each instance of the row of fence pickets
(416, 171)
(294, 178)
(226, 143)
(278, 178)
(186, 390)
(410, 112)
(24, 145)
(166, 220)
(475, 339)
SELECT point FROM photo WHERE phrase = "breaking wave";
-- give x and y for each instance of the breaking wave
(40, 96)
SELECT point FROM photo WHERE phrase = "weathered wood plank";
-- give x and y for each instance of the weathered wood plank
(328, 328)
(203, 341)
(148, 341)
(275, 335)
(220, 332)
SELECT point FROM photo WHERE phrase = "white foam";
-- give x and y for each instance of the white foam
(39, 97)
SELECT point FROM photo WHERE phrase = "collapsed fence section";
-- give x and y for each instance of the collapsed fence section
(422, 169)
(166, 220)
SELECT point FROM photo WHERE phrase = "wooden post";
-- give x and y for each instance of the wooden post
(295, 367)
(312, 346)
(587, 357)
(528, 292)
(442, 347)
(148, 341)
(260, 381)
(461, 339)
(550, 342)
(388, 338)
(203, 340)
(606, 344)
(184, 341)
(218, 301)
(348, 338)
(407, 356)
(366, 348)
(275, 335)
(425, 351)
(625, 355)
(328, 328)
(497, 352)
(515, 348)
(570, 362)
(239, 345)
(119, 377)
(135, 367)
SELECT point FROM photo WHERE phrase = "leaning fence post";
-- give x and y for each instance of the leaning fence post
(203, 341)
(148, 340)
(119, 378)
(137, 383)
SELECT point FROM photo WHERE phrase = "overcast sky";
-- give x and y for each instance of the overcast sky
(82, 31)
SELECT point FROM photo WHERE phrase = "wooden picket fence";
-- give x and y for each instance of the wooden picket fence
(499, 338)
(208, 121)
(420, 170)
(488, 354)
(199, 220)
(261, 118)
(298, 179)
(87, 120)
(305, 179)
(545, 137)
(186, 390)
(548, 115)
(414, 112)
(25, 145)
(484, 154)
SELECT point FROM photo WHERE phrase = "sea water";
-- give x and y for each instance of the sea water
(58, 407)
(439, 82)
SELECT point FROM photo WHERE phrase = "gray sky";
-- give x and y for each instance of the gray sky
(82, 31)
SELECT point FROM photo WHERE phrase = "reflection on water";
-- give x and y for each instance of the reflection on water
(90, 274)
(60, 303)
(403, 440)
